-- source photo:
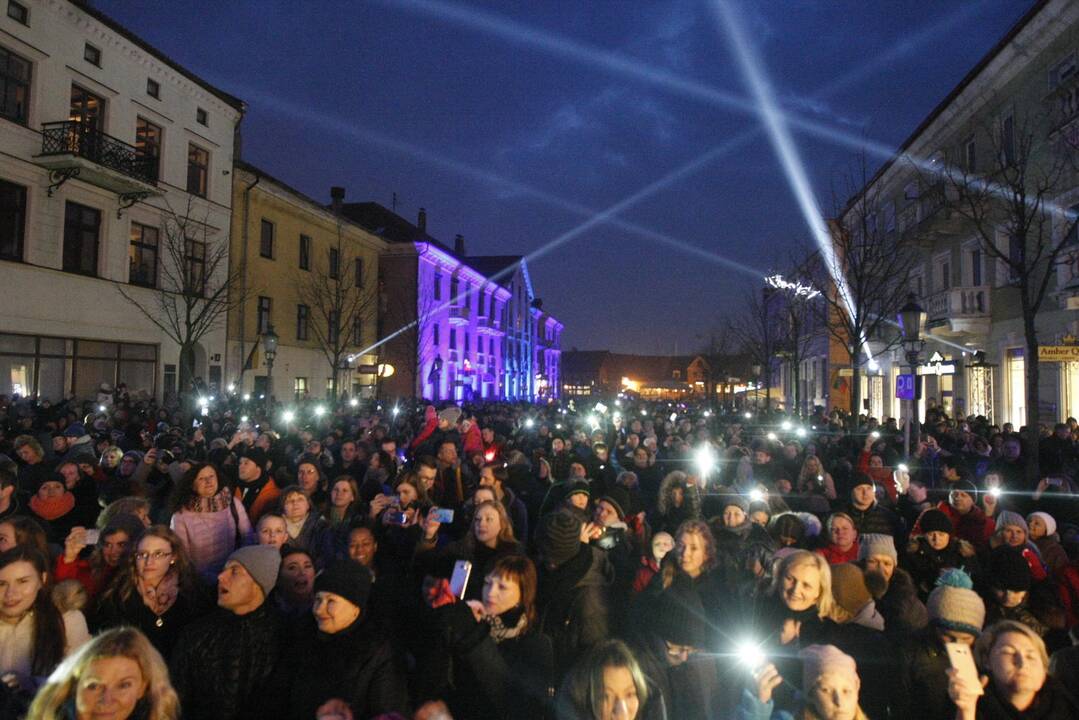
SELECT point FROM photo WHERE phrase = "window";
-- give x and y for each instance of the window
(945, 275)
(305, 252)
(18, 12)
(1015, 255)
(1059, 73)
(198, 166)
(1071, 225)
(201, 117)
(434, 335)
(148, 144)
(454, 285)
(302, 314)
(299, 386)
(266, 239)
(976, 267)
(91, 54)
(333, 327)
(153, 88)
(196, 267)
(453, 338)
(970, 155)
(359, 272)
(12, 220)
(467, 344)
(357, 330)
(263, 318)
(82, 226)
(14, 86)
(142, 255)
(86, 108)
(335, 263)
(438, 286)
(1007, 140)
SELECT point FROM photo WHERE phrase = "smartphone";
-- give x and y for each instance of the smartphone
(195, 423)
(398, 518)
(874, 434)
(92, 536)
(962, 659)
(462, 569)
(442, 515)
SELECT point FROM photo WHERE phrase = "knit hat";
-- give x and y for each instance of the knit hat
(618, 497)
(965, 486)
(680, 617)
(256, 455)
(860, 478)
(261, 562)
(1009, 518)
(934, 520)
(451, 414)
(739, 501)
(877, 544)
(577, 486)
(819, 660)
(848, 587)
(560, 538)
(348, 579)
(1050, 523)
(953, 604)
(1008, 569)
(75, 430)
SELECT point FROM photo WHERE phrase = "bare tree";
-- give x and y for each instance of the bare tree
(863, 279)
(1010, 206)
(194, 289)
(758, 331)
(411, 315)
(799, 323)
(342, 298)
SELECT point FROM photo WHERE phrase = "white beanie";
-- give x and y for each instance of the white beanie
(1050, 523)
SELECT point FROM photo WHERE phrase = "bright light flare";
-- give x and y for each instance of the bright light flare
(243, 418)
(319, 411)
(800, 432)
(101, 408)
(756, 495)
(751, 654)
(530, 423)
(288, 416)
(785, 425)
(772, 436)
(354, 402)
(706, 460)
(247, 397)
(748, 415)
(996, 492)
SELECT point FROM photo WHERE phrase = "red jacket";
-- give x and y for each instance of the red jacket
(974, 527)
(82, 571)
(881, 476)
(835, 556)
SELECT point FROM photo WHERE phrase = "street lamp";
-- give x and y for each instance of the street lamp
(912, 322)
(756, 370)
(269, 348)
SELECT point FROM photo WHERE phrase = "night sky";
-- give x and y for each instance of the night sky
(507, 121)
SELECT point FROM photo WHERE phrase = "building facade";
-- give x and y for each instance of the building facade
(307, 271)
(457, 327)
(106, 144)
(1025, 90)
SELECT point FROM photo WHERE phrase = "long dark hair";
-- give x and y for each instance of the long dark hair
(125, 582)
(48, 632)
(185, 489)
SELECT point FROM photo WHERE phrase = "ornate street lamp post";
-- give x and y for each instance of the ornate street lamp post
(269, 348)
(912, 322)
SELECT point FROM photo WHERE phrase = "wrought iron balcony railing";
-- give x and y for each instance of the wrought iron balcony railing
(71, 137)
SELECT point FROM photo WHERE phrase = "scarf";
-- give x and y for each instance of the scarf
(217, 503)
(54, 507)
(508, 625)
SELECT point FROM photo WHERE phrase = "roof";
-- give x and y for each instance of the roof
(86, 7)
(387, 224)
(583, 362)
(492, 265)
(950, 97)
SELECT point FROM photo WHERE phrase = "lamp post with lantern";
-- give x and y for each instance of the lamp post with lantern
(912, 322)
(269, 349)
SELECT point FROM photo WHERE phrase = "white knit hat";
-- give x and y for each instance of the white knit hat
(1050, 523)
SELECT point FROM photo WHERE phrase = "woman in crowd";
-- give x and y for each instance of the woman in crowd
(503, 666)
(118, 675)
(892, 587)
(343, 507)
(490, 537)
(607, 684)
(312, 481)
(662, 543)
(842, 544)
(679, 500)
(1018, 684)
(936, 550)
(1043, 533)
(157, 591)
(830, 686)
(21, 530)
(815, 487)
(209, 520)
(342, 655)
(34, 635)
(95, 570)
(53, 506)
(295, 582)
(306, 528)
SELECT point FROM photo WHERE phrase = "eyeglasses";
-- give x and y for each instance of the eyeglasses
(155, 555)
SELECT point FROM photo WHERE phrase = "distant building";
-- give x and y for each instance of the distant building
(457, 327)
(102, 134)
(653, 377)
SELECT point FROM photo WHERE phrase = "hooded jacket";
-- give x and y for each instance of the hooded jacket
(573, 604)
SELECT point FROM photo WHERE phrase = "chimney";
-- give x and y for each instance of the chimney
(337, 196)
(421, 221)
(459, 245)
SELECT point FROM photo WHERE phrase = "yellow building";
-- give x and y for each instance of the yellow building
(312, 275)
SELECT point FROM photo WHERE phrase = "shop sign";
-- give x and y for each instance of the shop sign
(937, 366)
(1058, 353)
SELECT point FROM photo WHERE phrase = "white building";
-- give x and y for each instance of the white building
(101, 134)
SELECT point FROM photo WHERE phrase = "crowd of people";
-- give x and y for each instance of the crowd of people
(228, 559)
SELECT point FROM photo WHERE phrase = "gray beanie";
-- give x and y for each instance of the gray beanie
(1007, 517)
(451, 414)
(872, 544)
(954, 605)
(262, 563)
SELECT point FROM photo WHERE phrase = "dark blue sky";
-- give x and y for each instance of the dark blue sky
(393, 96)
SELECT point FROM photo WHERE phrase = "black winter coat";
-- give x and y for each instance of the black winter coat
(357, 665)
(227, 666)
(924, 664)
(1053, 702)
(573, 604)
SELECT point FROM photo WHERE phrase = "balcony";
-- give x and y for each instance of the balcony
(489, 326)
(459, 315)
(931, 218)
(71, 149)
(959, 311)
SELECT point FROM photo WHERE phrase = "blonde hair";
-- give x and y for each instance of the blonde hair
(799, 558)
(983, 646)
(160, 699)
